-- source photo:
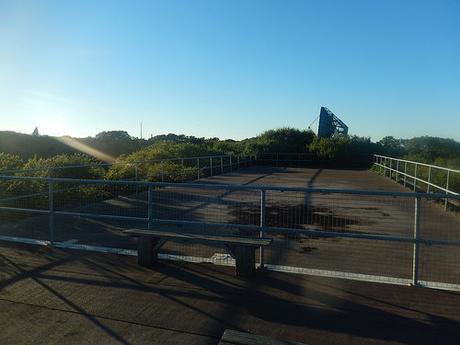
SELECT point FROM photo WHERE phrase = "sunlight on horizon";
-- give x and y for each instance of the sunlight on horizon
(86, 149)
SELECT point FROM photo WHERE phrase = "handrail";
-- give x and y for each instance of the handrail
(387, 163)
(160, 160)
(418, 163)
(232, 187)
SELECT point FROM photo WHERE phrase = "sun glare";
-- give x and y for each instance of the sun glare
(76, 144)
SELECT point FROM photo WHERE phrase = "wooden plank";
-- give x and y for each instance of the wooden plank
(189, 227)
(231, 240)
(231, 337)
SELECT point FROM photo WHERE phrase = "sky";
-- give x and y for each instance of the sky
(228, 68)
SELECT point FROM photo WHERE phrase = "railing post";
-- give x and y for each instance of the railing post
(446, 202)
(415, 257)
(390, 170)
(397, 171)
(221, 164)
(198, 166)
(182, 170)
(262, 225)
(231, 167)
(415, 178)
(136, 178)
(405, 173)
(429, 180)
(51, 210)
(210, 166)
(150, 206)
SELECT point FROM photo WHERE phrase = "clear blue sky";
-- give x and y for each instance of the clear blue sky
(229, 69)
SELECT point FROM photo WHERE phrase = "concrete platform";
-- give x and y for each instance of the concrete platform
(52, 296)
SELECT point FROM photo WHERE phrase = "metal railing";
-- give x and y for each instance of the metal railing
(418, 176)
(285, 158)
(354, 234)
(203, 165)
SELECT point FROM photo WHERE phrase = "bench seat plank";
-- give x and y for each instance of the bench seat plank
(229, 240)
(231, 337)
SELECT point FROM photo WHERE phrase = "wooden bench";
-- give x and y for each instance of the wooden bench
(241, 248)
(231, 337)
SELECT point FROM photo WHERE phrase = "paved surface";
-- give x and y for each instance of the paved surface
(51, 296)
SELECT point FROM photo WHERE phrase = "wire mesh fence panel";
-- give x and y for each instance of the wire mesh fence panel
(22, 224)
(436, 223)
(369, 214)
(350, 234)
(210, 207)
(216, 205)
(340, 214)
(23, 208)
(99, 232)
(331, 255)
(96, 214)
(439, 265)
(126, 200)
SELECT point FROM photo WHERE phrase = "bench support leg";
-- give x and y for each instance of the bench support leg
(146, 256)
(245, 260)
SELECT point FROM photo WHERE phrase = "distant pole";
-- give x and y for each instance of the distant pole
(141, 129)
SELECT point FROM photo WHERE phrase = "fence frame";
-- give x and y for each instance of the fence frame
(416, 240)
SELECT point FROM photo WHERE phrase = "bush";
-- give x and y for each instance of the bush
(171, 172)
(10, 162)
(343, 150)
(125, 165)
(54, 167)
(282, 140)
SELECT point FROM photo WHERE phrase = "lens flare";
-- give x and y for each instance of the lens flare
(91, 151)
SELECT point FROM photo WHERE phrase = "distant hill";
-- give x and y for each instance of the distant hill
(113, 143)
(26, 146)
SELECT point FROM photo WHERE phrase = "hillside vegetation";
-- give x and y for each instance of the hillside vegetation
(38, 153)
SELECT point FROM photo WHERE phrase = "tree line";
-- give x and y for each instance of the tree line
(39, 154)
